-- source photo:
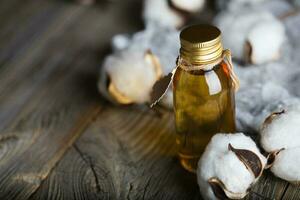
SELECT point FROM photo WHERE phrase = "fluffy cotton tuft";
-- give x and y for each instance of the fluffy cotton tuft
(265, 46)
(120, 42)
(159, 12)
(132, 76)
(286, 165)
(189, 5)
(218, 161)
(283, 131)
(130, 73)
(162, 41)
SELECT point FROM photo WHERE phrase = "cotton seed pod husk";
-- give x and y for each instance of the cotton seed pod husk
(229, 166)
(167, 100)
(126, 80)
(271, 117)
(271, 158)
(221, 191)
(251, 161)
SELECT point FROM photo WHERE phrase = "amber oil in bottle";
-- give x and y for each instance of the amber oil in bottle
(203, 98)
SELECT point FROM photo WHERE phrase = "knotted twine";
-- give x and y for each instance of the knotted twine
(161, 86)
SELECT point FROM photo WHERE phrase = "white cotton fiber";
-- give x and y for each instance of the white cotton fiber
(189, 5)
(162, 41)
(218, 161)
(266, 38)
(283, 131)
(280, 135)
(131, 74)
(120, 42)
(251, 26)
(159, 12)
(286, 165)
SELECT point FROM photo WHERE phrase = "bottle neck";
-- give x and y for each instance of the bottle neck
(202, 56)
(195, 61)
(186, 66)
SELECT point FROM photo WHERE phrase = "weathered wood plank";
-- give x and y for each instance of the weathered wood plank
(292, 192)
(268, 187)
(130, 151)
(21, 23)
(31, 57)
(129, 154)
(58, 120)
(52, 84)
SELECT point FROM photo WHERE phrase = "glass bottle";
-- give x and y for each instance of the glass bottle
(203, 97)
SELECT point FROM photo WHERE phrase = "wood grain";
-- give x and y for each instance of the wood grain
(47, 96)
(268, 187)
(131, 154)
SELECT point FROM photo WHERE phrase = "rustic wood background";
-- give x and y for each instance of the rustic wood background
(59, 138)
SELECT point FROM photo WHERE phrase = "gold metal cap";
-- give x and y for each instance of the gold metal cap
(200, 44)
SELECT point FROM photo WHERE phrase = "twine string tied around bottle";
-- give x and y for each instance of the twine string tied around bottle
(161, 86)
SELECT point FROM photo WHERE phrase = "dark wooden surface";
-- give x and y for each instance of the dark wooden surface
(58, 138)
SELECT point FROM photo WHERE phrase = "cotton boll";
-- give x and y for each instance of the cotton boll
(188, 5)
(224, 164)
(286, 165)
(265, 40)
(282, 131)
(245, 28)
(256, 101)
(159, 12)
(132, 75)
(164, 44)
(236, 25)
(170, 13)
(128, 64)
(280, 137)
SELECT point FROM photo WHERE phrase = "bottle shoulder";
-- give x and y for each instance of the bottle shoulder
(211, 81)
